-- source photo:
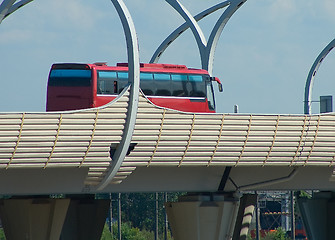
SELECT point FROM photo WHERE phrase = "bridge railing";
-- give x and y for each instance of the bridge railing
(163, 137)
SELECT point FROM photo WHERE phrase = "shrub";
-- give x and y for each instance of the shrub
(278, 234)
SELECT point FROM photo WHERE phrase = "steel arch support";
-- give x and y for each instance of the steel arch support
(134, 78)
(176, 33)
(192, 23)
(18, 5)
(208, 60)
(11, 7)
(311, 76)
(207, 50)
(4, 8)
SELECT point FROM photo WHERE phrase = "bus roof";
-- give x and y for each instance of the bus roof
(155, 65)
(150, 67)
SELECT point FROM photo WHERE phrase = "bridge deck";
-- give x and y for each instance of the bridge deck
(163, 137)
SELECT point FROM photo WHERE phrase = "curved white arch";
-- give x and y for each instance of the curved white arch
(134, 78)
(311, 76)
(206, 50)
(192, 23)
(4, 8)
(208, 61)
(176, 33)
(7, 7)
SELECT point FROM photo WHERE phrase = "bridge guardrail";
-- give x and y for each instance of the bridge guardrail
(163, 137)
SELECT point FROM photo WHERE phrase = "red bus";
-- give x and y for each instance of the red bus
(77, 86)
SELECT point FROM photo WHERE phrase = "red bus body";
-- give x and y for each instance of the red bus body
(79, 88)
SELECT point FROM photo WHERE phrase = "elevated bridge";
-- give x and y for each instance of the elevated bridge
(77, 147)
(131, 145)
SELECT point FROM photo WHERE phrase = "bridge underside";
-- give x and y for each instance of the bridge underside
(148, 179)
(207, 179)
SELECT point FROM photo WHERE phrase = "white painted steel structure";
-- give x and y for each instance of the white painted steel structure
(134, 80)
(311, 76)
(206, 49)
(7, 7)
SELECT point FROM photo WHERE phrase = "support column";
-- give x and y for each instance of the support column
(33, 218)
(85, 219)
(318, 214)
(203, 216)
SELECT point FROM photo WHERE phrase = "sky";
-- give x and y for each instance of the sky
(263, 56)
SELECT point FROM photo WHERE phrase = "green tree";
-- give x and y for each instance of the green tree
(2, 234)
(128, 233)
(139, 209)
(278, 234)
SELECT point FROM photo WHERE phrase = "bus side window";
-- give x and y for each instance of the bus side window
(101, 87)
(115, 86)
(122, 81)
(163, 84)
(147, 83)
(197, 86)
(179, 88)
(106, 82)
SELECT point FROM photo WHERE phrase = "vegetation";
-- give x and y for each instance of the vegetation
(278, 234)
(128, 233)
(2, 234)
(139, 210)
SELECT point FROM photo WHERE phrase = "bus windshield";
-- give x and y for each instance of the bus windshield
(70, 77)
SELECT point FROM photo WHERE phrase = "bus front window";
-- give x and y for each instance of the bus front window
(210, 96)
(70, 78)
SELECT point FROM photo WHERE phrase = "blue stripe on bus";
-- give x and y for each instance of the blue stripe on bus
(107, 74)
(122, 75)
(146, 76)
(71, 73)
(195, 78)
(162, 76)
(179, 77)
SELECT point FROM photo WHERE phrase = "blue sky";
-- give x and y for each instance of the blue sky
(263, 56)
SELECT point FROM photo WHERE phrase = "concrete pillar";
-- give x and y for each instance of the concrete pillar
(33, 219)
(318, 214)
(203, 216)
(85, 219)
(244, 217)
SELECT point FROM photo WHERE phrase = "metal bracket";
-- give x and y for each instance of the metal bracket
(224, 179)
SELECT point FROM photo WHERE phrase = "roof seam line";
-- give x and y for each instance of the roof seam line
(189, 141)
(245, 142)
(56, 140)
(159, 137)
(218, 141)
(92, 136)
